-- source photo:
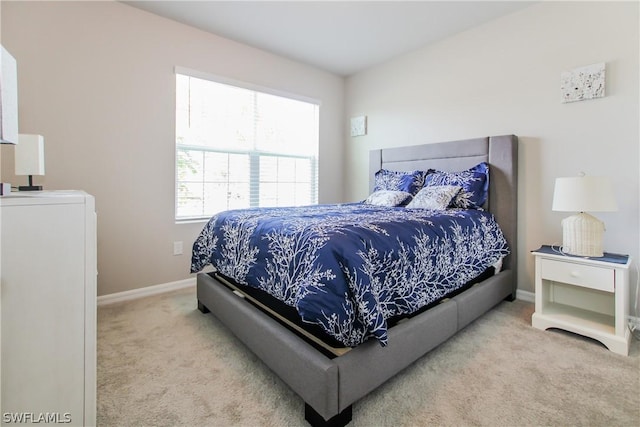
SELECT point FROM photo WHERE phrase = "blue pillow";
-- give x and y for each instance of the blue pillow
(410, 182)
(474, 183)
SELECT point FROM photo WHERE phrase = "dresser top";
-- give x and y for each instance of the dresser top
(49, 197)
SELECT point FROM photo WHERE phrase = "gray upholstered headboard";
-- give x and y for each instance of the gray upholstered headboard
(501, 152)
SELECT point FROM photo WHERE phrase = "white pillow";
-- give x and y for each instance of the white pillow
(434, 197)
(387, 198)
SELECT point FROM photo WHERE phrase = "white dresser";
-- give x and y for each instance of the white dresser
(48, 317)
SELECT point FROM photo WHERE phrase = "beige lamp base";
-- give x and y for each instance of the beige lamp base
(582, 235)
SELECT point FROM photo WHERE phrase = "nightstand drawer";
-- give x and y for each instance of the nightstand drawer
(587, 276)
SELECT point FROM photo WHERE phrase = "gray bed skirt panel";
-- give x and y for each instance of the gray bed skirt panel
(332, 385)
(369, 365)
(313, 376)
(480, 298)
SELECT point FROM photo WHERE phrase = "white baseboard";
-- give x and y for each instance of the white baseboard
(526, 296)
(146, 291)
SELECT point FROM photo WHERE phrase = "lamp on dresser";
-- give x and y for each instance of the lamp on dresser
(30, 159)
(582, 233)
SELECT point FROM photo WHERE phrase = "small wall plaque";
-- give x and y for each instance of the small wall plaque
(359, 126)
(583, 83)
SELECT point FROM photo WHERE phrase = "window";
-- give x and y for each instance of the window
(237, 147)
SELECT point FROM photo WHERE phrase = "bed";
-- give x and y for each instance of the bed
(330, 381)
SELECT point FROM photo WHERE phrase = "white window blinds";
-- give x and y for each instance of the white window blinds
(237, 147)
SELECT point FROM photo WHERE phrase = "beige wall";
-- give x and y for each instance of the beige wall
(503, 78)
(96, 80)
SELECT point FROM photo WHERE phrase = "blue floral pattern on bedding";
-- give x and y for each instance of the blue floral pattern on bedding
(350, 267)
(410, 182)
(474, 183)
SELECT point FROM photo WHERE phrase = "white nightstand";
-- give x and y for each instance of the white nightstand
(587, 296)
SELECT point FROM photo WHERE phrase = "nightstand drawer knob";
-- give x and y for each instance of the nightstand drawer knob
(575, 274)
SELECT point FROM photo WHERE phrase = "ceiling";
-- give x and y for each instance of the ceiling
(342, 37)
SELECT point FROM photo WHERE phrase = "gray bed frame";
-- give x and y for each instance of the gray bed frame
(329, 386)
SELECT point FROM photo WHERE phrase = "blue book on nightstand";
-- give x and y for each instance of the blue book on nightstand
(608, 257)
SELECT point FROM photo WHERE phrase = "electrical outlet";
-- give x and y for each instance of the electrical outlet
(177, 248)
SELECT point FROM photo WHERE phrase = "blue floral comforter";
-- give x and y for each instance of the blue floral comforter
(349, 267)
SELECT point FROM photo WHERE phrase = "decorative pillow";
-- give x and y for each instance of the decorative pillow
(388, 198)
(436, 197)
(410, 182)
(474, 183)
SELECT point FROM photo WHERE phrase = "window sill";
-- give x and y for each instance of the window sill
(192, 221)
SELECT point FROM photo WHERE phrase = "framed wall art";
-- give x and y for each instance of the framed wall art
(583, 83)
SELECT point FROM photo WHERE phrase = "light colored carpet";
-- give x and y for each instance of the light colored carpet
(163, 363)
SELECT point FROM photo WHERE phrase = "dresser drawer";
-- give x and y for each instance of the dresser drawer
(588, 276)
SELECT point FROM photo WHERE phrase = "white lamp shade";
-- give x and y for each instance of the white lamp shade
(584, 194)
(8, 98)
(29, 155)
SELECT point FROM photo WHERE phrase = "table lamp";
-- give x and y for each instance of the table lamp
(29, 159)
(582, 233)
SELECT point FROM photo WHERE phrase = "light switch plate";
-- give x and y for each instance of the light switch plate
(359, 126)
